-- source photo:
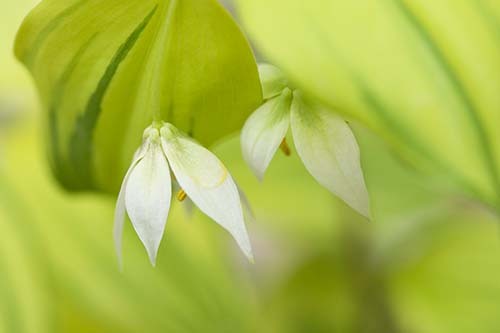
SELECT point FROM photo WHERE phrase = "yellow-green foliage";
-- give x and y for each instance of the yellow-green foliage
(424, 74)
(428, 263)
(105, 69)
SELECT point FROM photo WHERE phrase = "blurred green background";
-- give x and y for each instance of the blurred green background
(428, 263)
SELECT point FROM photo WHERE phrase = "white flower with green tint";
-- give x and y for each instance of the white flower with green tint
(323, 140)
(146, 190)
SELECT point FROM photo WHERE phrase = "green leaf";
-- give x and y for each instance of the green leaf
(60, 274)
(106, 69)
(423, 74)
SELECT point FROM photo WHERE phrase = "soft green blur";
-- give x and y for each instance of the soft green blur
(422, 74)
(428, 263)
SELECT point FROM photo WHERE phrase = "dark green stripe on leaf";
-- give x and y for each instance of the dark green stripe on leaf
(393, 124)
(57, 162)
(460, 90)
(405, 133)
(30, 56)
(81, 143)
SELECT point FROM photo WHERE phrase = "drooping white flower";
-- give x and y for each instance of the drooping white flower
(323, 140)
(146, 190)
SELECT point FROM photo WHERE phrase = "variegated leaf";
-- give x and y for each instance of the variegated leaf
(106, 69)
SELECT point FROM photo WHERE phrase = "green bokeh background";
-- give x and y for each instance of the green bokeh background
(428, 263)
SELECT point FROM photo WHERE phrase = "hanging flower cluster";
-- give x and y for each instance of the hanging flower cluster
(324, 141)
(146, 190)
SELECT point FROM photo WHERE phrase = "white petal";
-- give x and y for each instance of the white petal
(189, 205)
(272, 80)
(120, 207)
(264, 131)
(147, 198)
(208, 184)
(329, 150)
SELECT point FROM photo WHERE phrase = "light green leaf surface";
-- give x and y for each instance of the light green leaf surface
(59, 270)
(429, 265)
(423, 74)
(106, 69)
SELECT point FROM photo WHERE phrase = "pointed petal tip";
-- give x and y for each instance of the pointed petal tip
(247, 251)
(251, 259)
(256, 170)
(120, 267)
(152, 247)
(259, 176)
(362, 206)
(362, 209)
(119, 262)
(152, 257)
(367, 216)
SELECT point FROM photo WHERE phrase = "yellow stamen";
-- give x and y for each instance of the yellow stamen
(181, 195)
(285, 148)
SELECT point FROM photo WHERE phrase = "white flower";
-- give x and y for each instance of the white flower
(323, 140)
(146, 190)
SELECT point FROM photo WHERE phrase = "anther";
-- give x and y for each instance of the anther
(285, 148)
(181, 195)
